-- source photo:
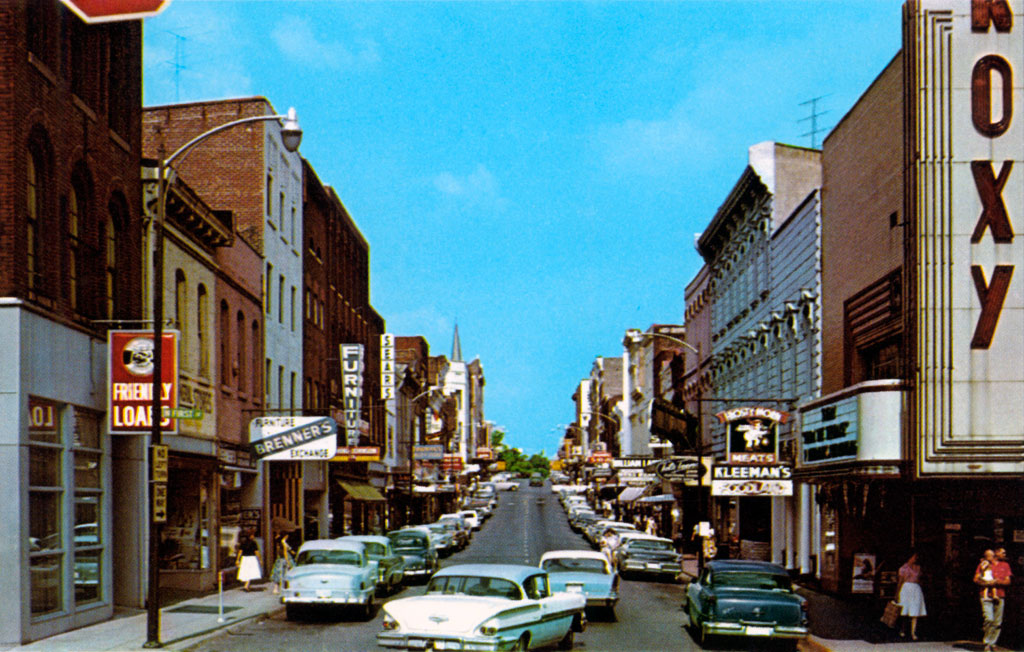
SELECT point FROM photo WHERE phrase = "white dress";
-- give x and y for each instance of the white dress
(912, 600)
(249, 569)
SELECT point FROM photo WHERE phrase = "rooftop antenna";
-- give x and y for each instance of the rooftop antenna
(178, 64)
(813, 118)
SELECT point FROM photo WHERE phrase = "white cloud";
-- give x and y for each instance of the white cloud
(654, 146)
(297, 40)
(478, 188)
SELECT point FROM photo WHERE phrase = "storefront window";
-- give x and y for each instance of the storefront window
(44, 501)
(186, 541)
(88, 539)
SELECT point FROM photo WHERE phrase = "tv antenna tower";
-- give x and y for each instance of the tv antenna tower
(813, 119)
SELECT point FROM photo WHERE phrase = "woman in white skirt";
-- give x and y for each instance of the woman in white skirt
(911, 598)
(248, 561)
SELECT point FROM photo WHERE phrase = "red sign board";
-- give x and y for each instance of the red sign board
(108, 11)
(130, 391)
(601, 457)
(451, 463)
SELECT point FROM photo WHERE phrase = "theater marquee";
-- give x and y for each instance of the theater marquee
(964, 199)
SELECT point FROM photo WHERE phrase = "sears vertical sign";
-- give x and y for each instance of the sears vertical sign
(387, 366)
(352, 390)
(964, 197)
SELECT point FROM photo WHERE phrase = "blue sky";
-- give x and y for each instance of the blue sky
(535, 170)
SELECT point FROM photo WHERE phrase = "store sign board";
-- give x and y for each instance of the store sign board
(357, 454)
(830, 433)
(687, 469)
(352, 390)
(751, 480)
(293, 438)
(108, 11)
(428, 451)
(753, 434)
(387, 366)
(130, 388)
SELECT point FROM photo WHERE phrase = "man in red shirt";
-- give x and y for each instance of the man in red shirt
(993, 597)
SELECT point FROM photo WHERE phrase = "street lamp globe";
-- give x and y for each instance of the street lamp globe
(291, 133)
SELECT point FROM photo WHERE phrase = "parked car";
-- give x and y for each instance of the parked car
(417, 551)
(472, 518)
(646, 555)
(390, 565)
(457, 528)
(583, 571)
(440, 537)
(755, 599)
(484, 607)
(330, 572)
(536, 480)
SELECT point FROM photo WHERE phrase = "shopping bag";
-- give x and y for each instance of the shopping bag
(892, 613)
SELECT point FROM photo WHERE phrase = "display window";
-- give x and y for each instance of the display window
(65, 496)
(185, 543)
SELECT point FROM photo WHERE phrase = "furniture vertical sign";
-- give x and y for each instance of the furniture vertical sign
(352, 364)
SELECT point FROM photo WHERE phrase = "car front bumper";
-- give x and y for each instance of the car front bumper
(404, 641)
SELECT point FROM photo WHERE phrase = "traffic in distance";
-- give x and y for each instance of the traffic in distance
(525, 567)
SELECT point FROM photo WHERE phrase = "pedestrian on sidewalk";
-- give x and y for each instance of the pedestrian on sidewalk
(911, 598)
(993, 594)
(248, 560)
(282, 560)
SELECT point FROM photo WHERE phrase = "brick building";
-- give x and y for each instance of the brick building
(70, 269)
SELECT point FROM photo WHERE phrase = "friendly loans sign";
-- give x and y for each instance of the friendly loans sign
(293, 438)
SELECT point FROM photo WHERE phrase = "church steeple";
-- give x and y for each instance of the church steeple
(456, 345)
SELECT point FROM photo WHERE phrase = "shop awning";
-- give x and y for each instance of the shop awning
(629, 494)
(660, 498)
(361, 491)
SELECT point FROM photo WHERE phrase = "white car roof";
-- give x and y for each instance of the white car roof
(572, 554)
(333, 544)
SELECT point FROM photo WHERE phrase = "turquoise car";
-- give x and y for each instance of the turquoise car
(330, 573)
(484, 607)
(752, 599)
(586, 572)
(390, 565)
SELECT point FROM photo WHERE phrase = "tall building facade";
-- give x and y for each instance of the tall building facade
(70, 269)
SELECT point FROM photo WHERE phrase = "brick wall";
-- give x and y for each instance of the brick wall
(76, 136)
(862, 187)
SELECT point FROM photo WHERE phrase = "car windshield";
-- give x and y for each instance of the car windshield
(492, 587)
(751, 580)
(574, 565)
(342, 557)
(376, 550)
(408, 540)
(664, 546)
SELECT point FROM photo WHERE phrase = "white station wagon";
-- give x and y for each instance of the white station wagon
(484, 607)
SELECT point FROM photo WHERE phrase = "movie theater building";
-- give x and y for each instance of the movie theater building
(917, 441)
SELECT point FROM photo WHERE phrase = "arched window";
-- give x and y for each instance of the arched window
(202, 333)
(240, 352)
(224, 330)
(33, 211)
(117, 221)
(256, 391)
(77, 216)
(180, 303)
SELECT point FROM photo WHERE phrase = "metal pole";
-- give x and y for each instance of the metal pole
(153, 592)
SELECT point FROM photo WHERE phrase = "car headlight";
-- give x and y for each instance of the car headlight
(389, 622)
(489, 628)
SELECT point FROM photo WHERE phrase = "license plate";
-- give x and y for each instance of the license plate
(653, 566)
(759, 631)
(323, 594)
(417, 643)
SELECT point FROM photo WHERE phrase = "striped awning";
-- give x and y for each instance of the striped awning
(629, 494)
(361, 491)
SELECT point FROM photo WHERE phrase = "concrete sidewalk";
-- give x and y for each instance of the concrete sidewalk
(180, 623)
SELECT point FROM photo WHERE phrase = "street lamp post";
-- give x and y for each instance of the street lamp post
(412, 442)
(291, 137)
(636, 336)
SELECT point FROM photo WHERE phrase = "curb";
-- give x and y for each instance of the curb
(813, 644)
(210, 631)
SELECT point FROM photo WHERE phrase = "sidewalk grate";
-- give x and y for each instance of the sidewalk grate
(200, 609)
